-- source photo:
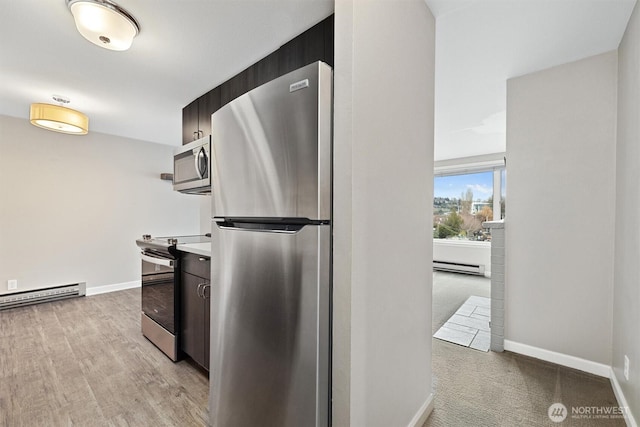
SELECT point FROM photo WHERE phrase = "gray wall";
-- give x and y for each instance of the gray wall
(560, 208)
(205, 213)
(384, 78)
(626, 291)
(71, 207)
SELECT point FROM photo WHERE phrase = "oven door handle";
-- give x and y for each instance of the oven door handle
(160, 261)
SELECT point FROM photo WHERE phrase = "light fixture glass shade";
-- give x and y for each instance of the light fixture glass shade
(104, 23)
(59, 119)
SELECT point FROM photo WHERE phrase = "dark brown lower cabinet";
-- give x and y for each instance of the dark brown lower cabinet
(195, 293)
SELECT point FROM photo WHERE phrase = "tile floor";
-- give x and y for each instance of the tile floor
(469, 325)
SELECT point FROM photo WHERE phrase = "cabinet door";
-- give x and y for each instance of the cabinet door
(189, 122)
(193, 316)
(234, 87)
(308, 47)
(207, 105)
(259, 73)
(263, 71)
(315, 44)
(329, 40)
(207, 320)
(196, 265)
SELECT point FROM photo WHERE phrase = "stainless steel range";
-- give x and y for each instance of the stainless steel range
(160, 316)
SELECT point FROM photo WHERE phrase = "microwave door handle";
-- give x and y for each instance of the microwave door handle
(197, 163)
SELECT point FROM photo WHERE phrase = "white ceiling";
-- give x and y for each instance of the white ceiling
(184, 49)
(482, 43)
(187, 47)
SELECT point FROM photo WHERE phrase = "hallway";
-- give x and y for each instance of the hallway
(474, 388)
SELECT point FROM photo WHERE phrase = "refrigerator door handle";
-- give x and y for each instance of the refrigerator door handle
(270, 220)
(261, 227)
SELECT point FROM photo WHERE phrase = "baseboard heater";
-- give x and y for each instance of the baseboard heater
(20, 299)
(458, 267)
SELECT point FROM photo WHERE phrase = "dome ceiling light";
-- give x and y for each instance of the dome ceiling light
(104, 23)
(59, 118)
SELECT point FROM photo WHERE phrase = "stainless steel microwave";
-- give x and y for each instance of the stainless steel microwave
(192, 167)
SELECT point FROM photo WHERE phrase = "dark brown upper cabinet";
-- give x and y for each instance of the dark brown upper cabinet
(259, 73)
(196, 117)
(190, 125)
(315, 44)
(234, 87)
(264, 70)
(308, 47)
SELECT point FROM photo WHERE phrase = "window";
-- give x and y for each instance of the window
(503, 192)
(462, 202)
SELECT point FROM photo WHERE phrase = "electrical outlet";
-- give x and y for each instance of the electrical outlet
(12, 285)
(626, 367)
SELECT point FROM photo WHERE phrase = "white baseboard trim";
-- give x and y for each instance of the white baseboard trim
(97, 290)
(584, 365)
(423, 413)
(589, 366)
(622, 401)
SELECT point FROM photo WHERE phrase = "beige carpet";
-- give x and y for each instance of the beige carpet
(478, 389)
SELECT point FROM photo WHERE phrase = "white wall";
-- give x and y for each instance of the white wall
(384, 79)
(626, 291)
(465, 252)
(205, 213)
(560, 214)
(71, 207)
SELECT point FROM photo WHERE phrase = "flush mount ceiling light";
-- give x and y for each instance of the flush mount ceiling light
(58, 118)
(104, 23)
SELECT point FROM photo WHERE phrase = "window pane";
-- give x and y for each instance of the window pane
(503, 192)
(460, 204)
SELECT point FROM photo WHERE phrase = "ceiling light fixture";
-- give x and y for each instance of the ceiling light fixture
(104, 23)
(58, 118)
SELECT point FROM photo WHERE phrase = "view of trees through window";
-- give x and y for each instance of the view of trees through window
(461, 203)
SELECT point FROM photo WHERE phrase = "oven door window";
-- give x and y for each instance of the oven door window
(158, 294)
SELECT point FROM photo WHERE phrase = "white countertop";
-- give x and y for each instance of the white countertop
(203, 249)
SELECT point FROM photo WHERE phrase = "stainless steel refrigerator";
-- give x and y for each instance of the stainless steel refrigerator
(271, 254)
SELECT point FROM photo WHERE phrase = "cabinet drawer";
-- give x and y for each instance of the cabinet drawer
(197, 265)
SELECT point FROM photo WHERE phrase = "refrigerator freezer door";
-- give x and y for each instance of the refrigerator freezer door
(270, 324)
(271, 149)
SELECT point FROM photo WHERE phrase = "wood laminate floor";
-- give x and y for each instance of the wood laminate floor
(84, 362)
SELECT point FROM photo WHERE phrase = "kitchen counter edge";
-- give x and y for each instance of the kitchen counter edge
(203, 249)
